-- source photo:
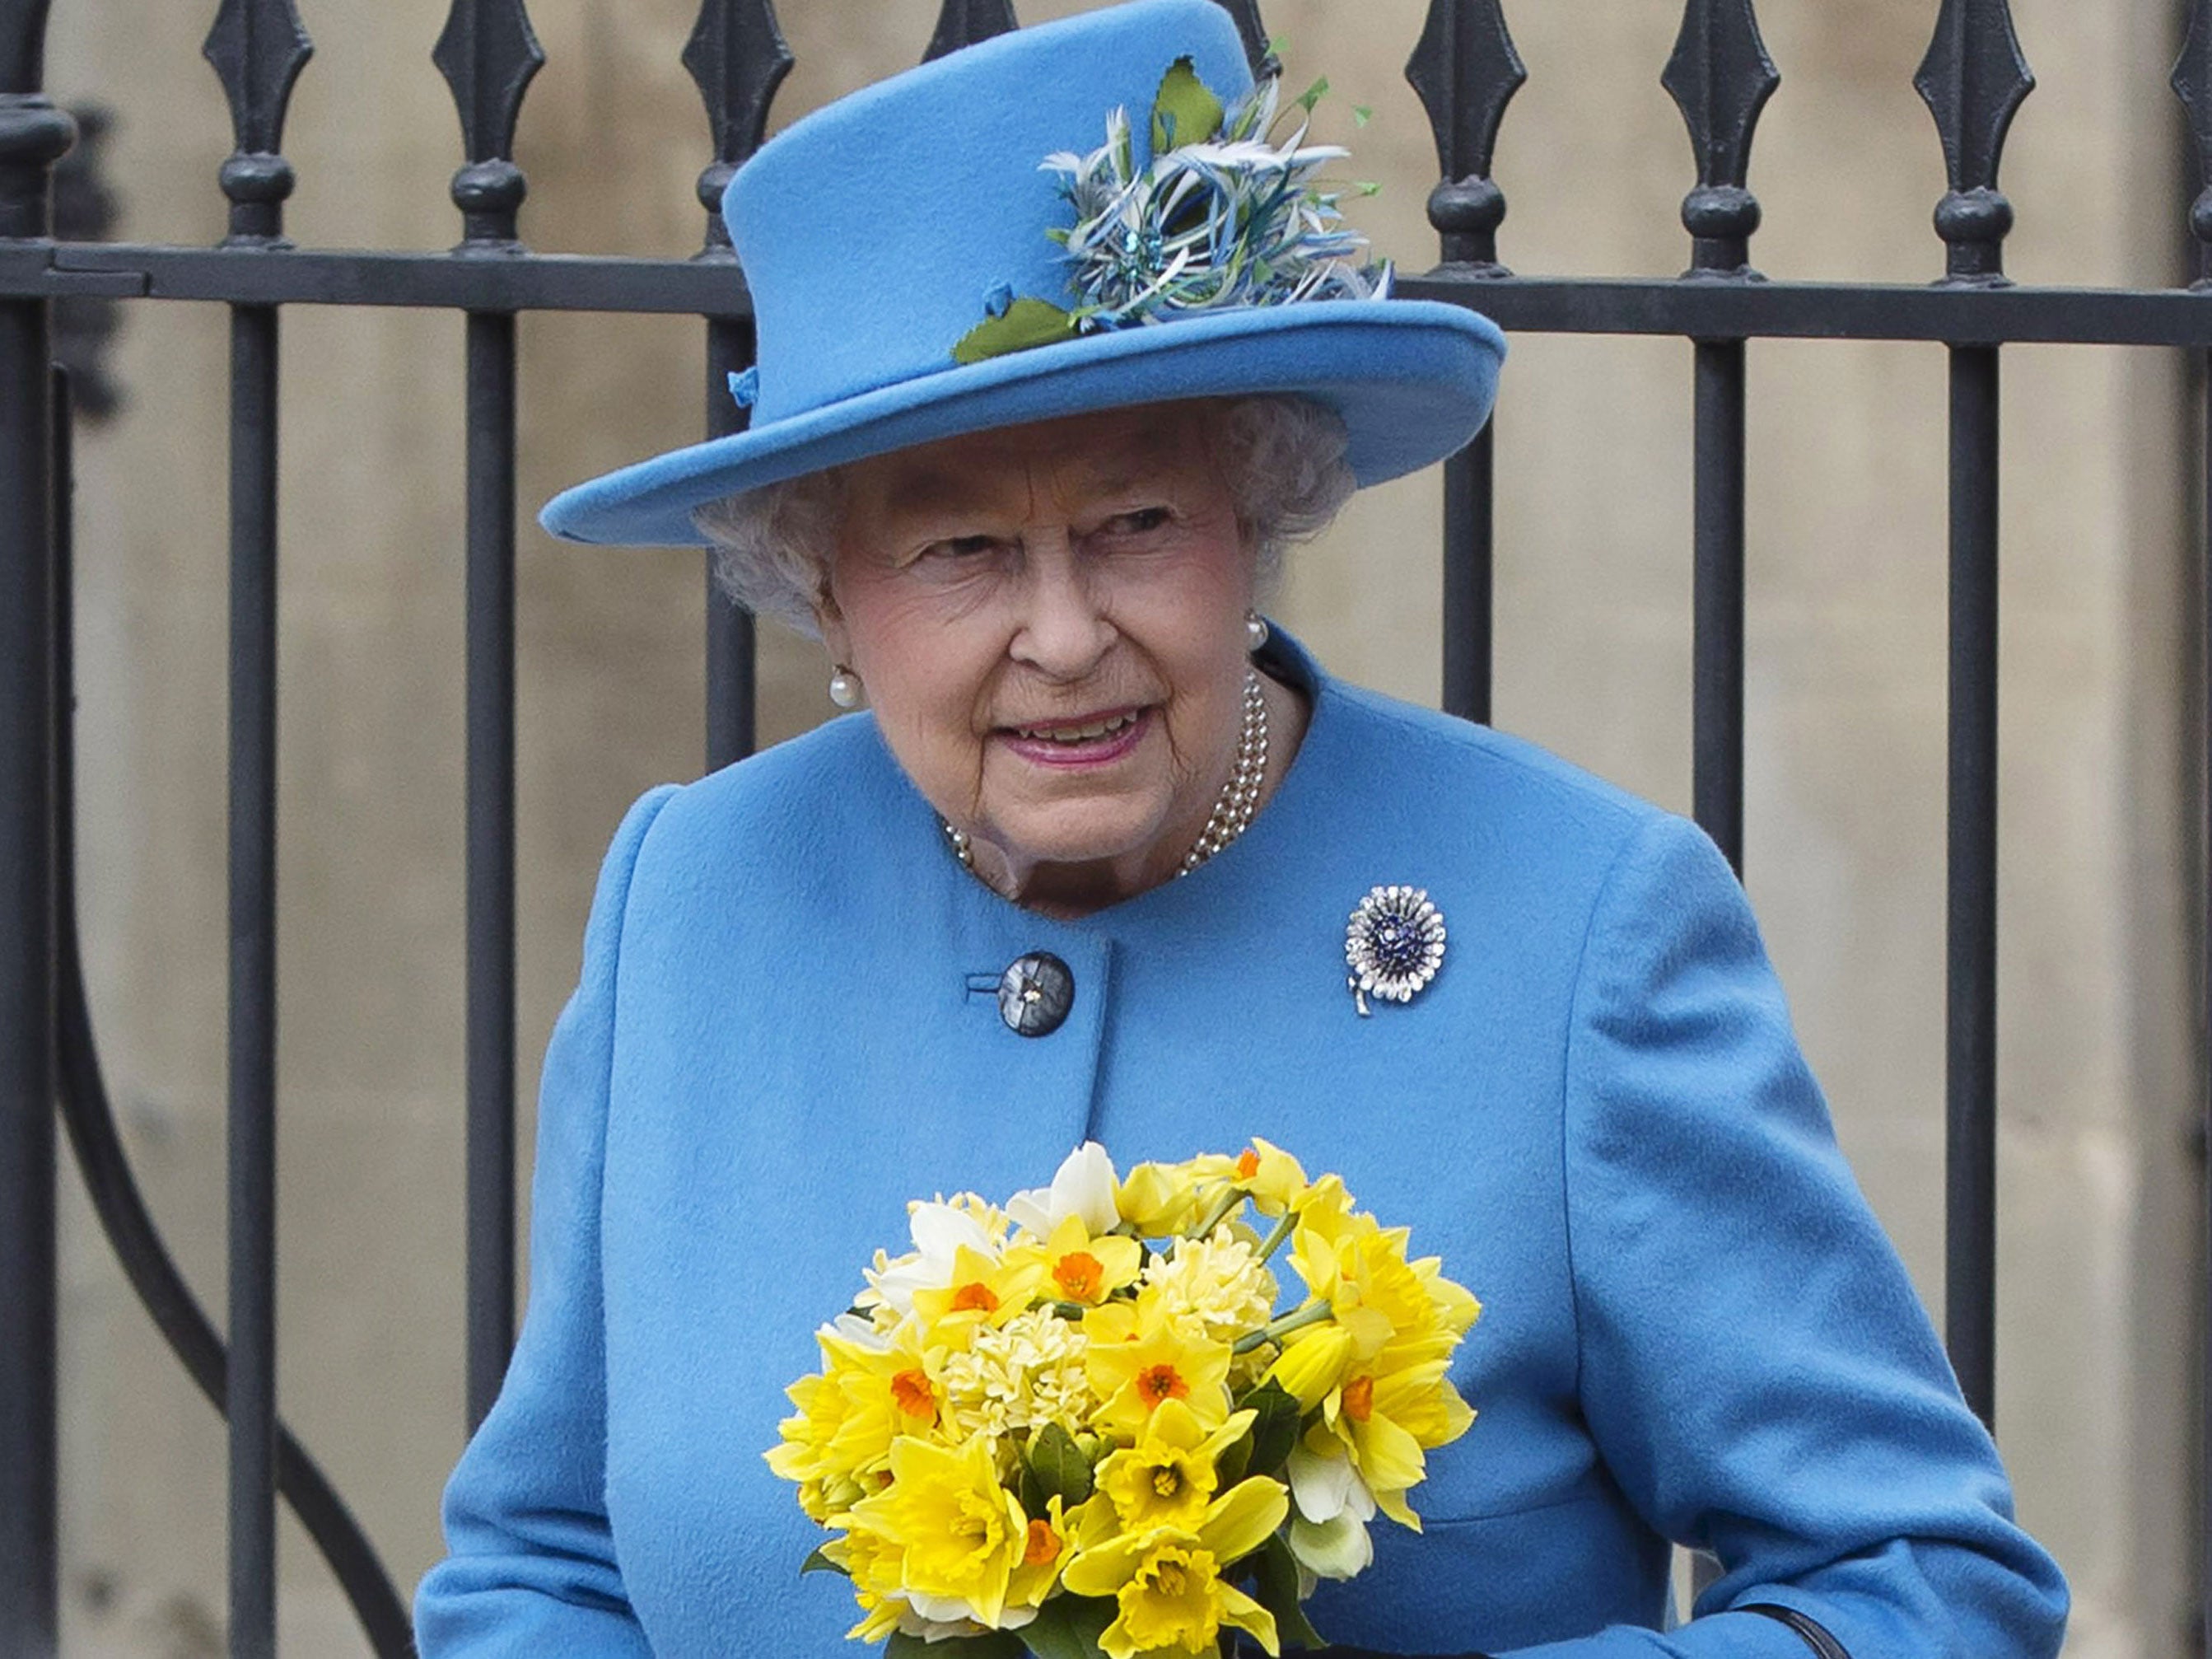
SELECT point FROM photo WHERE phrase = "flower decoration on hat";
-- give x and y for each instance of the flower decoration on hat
(1393, 944)
(1221, 218)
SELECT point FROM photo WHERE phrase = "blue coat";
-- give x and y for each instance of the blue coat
(1693, 1329)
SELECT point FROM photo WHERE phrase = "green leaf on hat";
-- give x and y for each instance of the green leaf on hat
(1185, 112)
(1313, 94)
(1027, 324)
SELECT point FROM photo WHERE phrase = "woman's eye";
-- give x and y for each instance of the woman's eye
(961, 547)
(1141, 522)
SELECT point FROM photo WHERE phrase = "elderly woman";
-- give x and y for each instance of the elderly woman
(1028, 442)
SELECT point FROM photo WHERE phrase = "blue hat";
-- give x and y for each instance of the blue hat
(914, 277)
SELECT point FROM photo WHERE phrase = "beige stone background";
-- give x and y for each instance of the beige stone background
(1846, 681)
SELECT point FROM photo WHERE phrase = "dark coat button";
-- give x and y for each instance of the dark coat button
(1035, 993)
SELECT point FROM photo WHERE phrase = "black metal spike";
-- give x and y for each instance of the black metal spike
(488, 54)
(1974, 80)
(258, 48)
(1257, 47)
(2193, 84)
(1720, 77)
(738, 56)
(963, 22)
(1465, 69)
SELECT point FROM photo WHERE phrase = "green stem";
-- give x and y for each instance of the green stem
(1313, 1313)
(1284, 1229)
(1224, 1206)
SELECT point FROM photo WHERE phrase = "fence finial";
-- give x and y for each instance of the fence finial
(1720, 77)
(488, 54)
(738, 57)
(1466, 71)
(2193, 84)
(258, 48)
(1974, 81)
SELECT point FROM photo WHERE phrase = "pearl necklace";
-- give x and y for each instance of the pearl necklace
(1232, 811)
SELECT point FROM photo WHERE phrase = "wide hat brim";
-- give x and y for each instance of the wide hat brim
(1412, 380)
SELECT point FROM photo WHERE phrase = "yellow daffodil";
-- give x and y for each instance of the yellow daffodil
(1219, 1281)
(1138, 1359)
(958, 1534)
(1275, 1179)
(1081, 1267)
(1386, 1422)
(1048, 1543)
(983, 1289)
(1155, 1200)
(1166, 1582)
(1168, 1478)
(1313, 1364)
(872, 1389)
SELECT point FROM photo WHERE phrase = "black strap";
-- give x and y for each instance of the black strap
(1819, 1640)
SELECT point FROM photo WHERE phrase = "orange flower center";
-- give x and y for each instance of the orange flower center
(1359, 1398)
(1081, 1274)
(1044, 1545)
(975, 1299)
(1247, 1164)
(1160, 1382)
(910, 1390)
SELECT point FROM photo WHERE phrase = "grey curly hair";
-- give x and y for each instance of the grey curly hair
(1282, 458)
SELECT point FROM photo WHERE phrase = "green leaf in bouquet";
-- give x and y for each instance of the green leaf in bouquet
(1274, 1431)
(1059, 1465)
(1277, 1589)
(818, 1561)
(1185, 112)
(1069, 1627)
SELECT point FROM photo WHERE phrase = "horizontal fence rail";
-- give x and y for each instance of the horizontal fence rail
(1466, 71)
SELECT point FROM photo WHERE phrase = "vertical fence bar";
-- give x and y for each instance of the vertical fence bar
(490, 838)
(34, 135)
(1973, 81)
(258, 49)
(738, 57)
(2193, 84)
(252, 1402)
(1720, 77)
(488, 54)
(1466, 71)
(963, 22)
(1969, 1251)
(1717, 718)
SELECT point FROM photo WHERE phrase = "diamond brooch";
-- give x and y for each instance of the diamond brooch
(1394, 946)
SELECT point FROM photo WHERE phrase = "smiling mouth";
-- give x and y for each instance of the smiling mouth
(1074, 734)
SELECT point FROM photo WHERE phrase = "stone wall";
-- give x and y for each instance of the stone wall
(1845, 763)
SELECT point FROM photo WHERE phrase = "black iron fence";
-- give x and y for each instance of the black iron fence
(1466, 71)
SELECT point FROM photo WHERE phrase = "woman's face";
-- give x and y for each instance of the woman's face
(1049, 621)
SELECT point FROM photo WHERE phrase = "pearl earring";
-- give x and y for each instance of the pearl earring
(845, 688)
(1256, 631)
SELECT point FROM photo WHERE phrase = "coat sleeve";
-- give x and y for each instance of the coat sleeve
(1755, 1366)
(530, 1569)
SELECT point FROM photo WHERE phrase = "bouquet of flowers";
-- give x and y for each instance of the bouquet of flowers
(1081, 1424)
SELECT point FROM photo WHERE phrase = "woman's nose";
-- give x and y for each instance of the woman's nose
(1064, 632)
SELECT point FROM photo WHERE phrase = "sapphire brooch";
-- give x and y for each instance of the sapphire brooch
(1394, 946)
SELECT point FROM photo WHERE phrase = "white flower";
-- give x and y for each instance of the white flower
(1326, 1487)
(940, 1230)
(1084, 1186)
(1333, 1549)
